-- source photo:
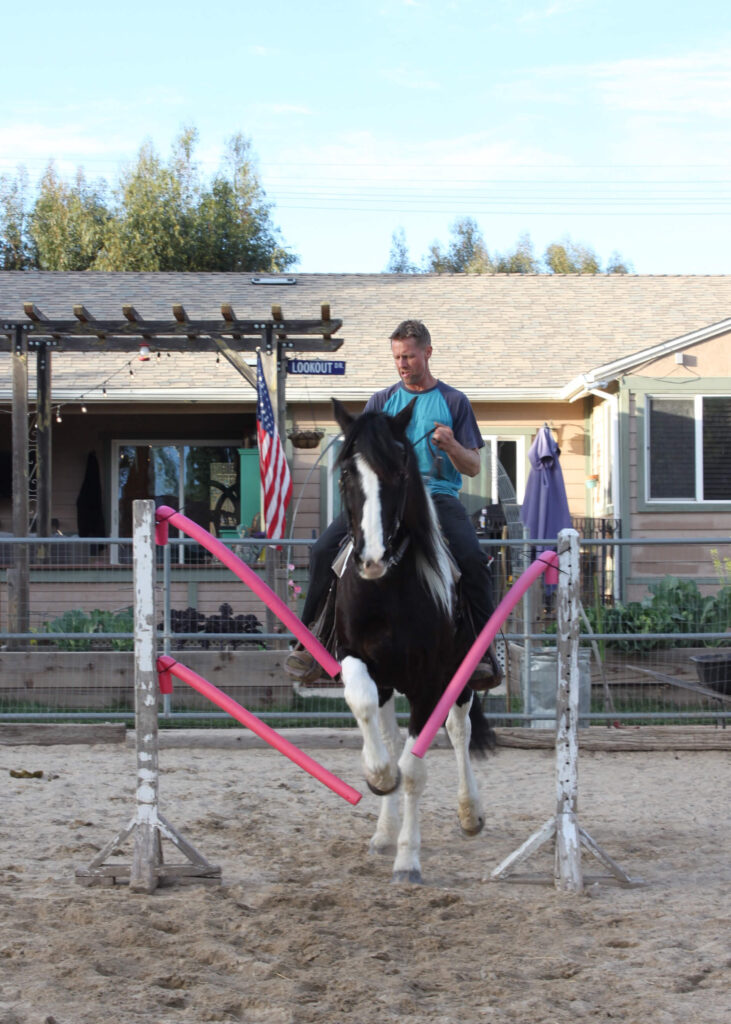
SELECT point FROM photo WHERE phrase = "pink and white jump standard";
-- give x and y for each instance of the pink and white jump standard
(148, 826)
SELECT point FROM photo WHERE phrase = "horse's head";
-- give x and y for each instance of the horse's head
(376, 467)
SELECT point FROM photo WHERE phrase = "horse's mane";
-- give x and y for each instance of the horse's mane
(371, 436)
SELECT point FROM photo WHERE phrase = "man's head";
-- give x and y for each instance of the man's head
(411, 349)
(413, 329)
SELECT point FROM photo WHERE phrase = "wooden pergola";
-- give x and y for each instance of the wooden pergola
(230, 336)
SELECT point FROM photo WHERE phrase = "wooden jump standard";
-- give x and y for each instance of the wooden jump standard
(148, 826)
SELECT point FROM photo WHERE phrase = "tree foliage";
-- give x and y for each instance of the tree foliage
(467, 253)
(68, 222)
(399, 261)
(160, 216)
(16, 248)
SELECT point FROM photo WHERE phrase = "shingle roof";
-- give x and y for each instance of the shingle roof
(491, 331)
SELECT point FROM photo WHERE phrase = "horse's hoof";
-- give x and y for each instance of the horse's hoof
(474, 831)
(382, 849)
(413, 877)
(385, 792)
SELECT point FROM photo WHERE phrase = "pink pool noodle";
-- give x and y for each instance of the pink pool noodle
(167, 666)
(489, 632)
(165, 515)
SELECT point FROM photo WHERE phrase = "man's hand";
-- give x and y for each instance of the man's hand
(464, 460)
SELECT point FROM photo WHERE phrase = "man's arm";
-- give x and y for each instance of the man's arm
(464, 460)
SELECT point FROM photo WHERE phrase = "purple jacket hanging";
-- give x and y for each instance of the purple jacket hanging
(545, 510)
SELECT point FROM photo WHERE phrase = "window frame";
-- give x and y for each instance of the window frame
(118, 443)
(697, 501)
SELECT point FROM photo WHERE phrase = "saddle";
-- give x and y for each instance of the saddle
(486, 676)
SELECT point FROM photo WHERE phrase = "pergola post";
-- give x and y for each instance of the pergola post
(18, 581)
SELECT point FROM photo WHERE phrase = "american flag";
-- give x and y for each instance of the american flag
(275, 479)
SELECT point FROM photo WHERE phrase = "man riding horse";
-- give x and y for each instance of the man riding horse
(446, 439)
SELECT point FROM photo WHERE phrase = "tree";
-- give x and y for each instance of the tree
(16, 246)
(567, 257)
(166, 219)
(160, 215)
(617, 265)
(467, 253)
(233, 229)
(67, 223)
(399, 261)
(520, 260)
(147, 231)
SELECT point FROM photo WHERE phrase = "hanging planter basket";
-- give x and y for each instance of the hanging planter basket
(305, 438)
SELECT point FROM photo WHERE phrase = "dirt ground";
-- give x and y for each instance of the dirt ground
(307, 927)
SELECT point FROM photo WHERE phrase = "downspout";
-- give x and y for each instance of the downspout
(614, 404)
(614, 444)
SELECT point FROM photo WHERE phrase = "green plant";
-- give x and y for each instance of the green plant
(674, 606)
(93, 625)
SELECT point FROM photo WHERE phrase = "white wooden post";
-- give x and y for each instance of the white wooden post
(147, 856)
(148, 826)
(567, 865)
(563, 827)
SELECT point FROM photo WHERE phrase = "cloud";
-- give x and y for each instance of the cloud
(405, 78)
(694, 83)
(557, 8)
(263, 51)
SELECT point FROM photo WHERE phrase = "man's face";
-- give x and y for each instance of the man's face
(412, 362)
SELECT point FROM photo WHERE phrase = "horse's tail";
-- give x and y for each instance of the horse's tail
(483, 738)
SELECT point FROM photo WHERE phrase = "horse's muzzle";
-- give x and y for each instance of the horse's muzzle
(370, 569)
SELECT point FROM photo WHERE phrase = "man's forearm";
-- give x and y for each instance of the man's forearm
(464, 460)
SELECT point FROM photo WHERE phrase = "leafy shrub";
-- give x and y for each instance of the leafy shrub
(673, 606)
(93, 625)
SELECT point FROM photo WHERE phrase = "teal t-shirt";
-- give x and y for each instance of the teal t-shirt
(442, 404)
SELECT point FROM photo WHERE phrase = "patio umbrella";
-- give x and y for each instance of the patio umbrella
(545, 510)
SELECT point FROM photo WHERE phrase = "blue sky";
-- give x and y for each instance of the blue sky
(610, 123)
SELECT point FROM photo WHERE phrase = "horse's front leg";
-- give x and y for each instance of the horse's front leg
(379, 764)
(407, 866)
(386, 834)
(469, 808)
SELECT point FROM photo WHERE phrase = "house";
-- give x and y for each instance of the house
(632, 373)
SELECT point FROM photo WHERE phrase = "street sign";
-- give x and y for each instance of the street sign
(321, 367)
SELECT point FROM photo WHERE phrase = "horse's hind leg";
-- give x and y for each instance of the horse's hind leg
(407, 867)
(379, 763)
(469, 809)
(386, 834)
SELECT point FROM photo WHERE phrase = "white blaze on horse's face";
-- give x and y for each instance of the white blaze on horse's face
(371, 564)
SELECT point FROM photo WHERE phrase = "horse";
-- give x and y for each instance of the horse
(398, 629)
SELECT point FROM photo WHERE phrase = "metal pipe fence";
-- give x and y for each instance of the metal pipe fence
(657, 649)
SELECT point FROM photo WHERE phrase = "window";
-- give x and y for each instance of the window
(501, 480)
(689, 455)
(200, 480)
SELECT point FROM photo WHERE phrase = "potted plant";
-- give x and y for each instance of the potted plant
(302, 437)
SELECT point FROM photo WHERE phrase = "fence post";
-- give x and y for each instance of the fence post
(567, 865)
(147, 854)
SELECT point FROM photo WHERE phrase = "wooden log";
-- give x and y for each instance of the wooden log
(16, 734)
(624, 738)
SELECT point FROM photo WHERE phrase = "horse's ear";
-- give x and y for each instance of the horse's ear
(342, 415)
(402, 419)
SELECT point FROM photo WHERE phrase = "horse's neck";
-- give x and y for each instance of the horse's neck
(433, 563)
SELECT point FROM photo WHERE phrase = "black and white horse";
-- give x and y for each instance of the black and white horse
(398, 629)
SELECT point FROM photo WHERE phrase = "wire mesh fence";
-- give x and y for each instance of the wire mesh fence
(655, 633)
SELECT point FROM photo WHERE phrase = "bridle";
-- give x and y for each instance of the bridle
(393, 554)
